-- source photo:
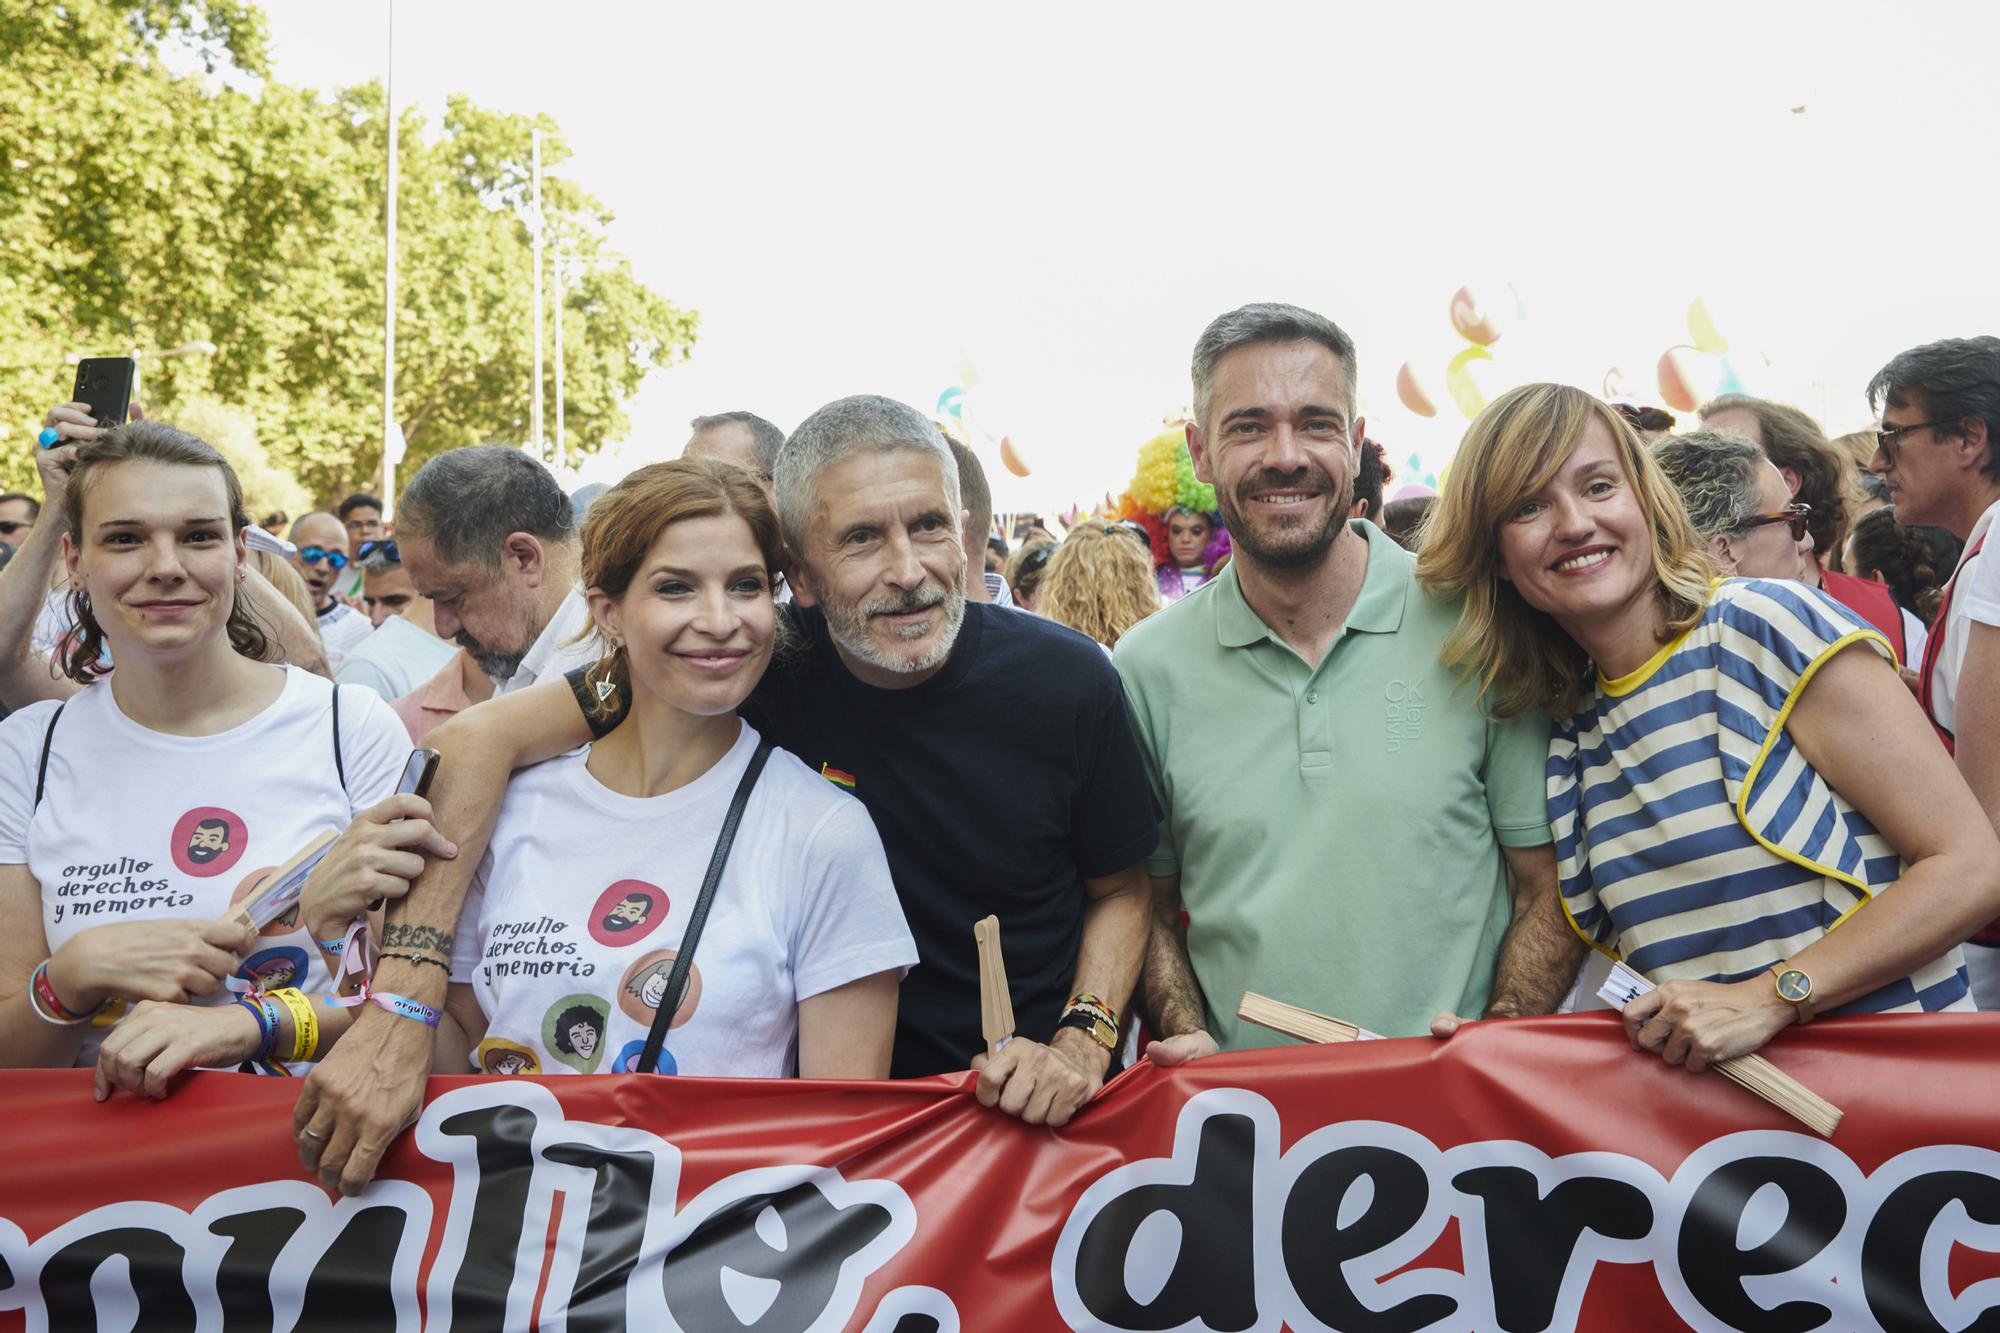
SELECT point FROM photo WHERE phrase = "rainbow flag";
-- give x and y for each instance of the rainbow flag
(836, 777)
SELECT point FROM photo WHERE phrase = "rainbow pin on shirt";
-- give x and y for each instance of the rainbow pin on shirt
(836, 777)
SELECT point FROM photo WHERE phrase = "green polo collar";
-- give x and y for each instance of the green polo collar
(1378, 610)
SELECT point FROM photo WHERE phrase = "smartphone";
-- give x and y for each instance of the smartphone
(417, 773)
(416, 781)
(107, 384)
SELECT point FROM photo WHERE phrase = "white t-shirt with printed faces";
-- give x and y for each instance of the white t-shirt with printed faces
(1975, 598)
(583, 897)
(136, 825)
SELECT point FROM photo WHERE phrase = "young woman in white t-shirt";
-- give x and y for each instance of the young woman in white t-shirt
(597, 857)
(134, 815)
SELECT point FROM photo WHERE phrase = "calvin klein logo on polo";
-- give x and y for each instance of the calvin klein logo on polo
(1406, 712)
(836, 777)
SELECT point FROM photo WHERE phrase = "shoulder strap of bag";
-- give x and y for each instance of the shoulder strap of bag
(339, 764)
(48, 739)
(677, 980)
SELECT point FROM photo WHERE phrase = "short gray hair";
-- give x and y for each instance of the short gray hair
(466, 502)
(1716, 475)
(768, 438)
(1265, 322)
(835, 433)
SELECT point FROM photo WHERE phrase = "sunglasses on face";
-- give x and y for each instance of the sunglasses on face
(1795, 514)
(1890, 438)
(387, 548)
(315, 555)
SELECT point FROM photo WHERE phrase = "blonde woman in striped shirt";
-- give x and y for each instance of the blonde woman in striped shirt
(1735, 769)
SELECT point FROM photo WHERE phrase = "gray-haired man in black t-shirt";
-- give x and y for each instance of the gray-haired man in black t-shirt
(993, 750)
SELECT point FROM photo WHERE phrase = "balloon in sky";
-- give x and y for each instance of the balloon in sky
(1701, 328)
(1460, 383)
(1011, 457)
(1476, 320)
(1412, 393)
(1688, 375)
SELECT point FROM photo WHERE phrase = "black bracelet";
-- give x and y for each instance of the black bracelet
(417, 958)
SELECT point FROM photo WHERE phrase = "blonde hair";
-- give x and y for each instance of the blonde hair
(1100, 581)
(278, 572)
(1519, 655)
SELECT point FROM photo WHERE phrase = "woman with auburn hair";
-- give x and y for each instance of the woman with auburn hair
(567, 946)
(1100, 581)
(1727, 784)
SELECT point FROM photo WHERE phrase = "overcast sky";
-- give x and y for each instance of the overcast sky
(856, 196)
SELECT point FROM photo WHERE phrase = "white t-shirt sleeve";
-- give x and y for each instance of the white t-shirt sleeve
(20, 755)
(374, 746)
(848, 923)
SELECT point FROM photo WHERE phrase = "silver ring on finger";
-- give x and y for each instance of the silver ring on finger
(315, 1134)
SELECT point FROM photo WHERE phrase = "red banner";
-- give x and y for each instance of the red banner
(1524, 1175)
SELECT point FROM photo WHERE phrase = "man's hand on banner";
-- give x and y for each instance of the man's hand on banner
(1043, 1085)
(364, 1093)
(1188, 1046)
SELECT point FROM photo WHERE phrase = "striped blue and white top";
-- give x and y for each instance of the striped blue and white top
(1693, 839)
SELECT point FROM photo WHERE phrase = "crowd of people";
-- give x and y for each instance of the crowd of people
(735, 752)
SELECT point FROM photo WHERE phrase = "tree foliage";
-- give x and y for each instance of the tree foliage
(160, 189)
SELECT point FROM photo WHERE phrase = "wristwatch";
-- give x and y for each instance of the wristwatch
(1796, 989)
(1100, 1031)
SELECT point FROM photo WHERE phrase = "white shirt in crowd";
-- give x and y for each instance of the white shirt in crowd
(136, 825)
(395, 659)
(556, 650)
(1975, 598)
(583, 897)
(341, 631)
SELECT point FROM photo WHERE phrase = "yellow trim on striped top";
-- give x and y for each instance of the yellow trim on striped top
(1742, 805)
(1633, 679)
(1561, 899)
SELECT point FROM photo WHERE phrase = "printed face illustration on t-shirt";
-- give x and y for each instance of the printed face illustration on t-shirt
(628, 1060)
(573, 1030)
(207, 841)
(644, 987)
(275, 969)
(627, 912)
(496, 1056)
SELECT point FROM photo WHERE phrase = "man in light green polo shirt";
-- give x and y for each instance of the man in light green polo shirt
(1347, 830)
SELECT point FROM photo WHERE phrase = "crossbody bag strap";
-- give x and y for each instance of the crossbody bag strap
(677, 980)
(339, 760)
(48, 740)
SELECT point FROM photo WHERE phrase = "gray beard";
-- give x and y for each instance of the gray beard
(849, 629)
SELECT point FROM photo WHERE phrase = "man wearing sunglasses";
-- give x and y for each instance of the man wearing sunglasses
(321, 561)
(1938, 451)
(17, 514)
